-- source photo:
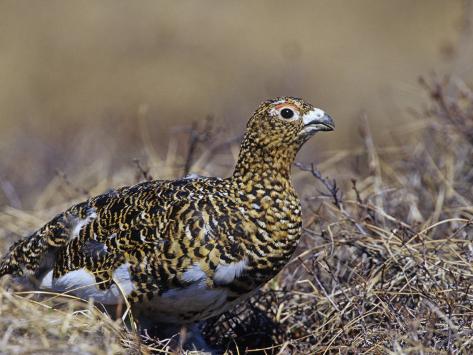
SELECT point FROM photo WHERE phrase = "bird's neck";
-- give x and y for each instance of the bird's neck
(263, 164)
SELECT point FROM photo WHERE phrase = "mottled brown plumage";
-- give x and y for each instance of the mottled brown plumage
(188, 249)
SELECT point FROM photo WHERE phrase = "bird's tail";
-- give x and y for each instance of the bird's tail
(33, 256)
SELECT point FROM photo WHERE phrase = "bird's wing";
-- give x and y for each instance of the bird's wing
(95, 219)
(79, 237)
(135, 240)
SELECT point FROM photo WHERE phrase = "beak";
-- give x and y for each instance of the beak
(317, 120)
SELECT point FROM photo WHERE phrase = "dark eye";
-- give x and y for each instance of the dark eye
(287, 113)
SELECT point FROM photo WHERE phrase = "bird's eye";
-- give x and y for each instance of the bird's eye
(287, 113)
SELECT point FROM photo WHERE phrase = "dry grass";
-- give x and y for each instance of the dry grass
(385, 265)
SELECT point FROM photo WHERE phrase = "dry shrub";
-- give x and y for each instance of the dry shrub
(385, 264)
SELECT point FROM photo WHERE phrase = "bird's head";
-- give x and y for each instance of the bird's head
(276, 132)
(286, 122)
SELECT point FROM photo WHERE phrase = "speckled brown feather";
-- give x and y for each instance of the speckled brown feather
(163, 228)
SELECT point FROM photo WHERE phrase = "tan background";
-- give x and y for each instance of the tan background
(75, 75)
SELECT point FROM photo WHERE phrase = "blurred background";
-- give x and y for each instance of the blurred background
(89, 86)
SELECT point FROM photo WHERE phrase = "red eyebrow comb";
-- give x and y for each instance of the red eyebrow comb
(278, 106)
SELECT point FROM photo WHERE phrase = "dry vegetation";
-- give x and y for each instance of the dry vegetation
(385, 264)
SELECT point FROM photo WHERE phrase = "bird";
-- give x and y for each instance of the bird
(181, 251)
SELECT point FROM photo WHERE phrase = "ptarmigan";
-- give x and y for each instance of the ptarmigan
(182, 250)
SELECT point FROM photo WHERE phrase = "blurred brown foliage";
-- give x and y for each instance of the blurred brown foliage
(89, 83)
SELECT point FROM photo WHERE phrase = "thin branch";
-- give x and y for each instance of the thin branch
(143, 172)
(334, 192)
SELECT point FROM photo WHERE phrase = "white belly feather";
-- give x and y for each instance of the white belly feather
(82, 284)
(175, 305)
(196, 301)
